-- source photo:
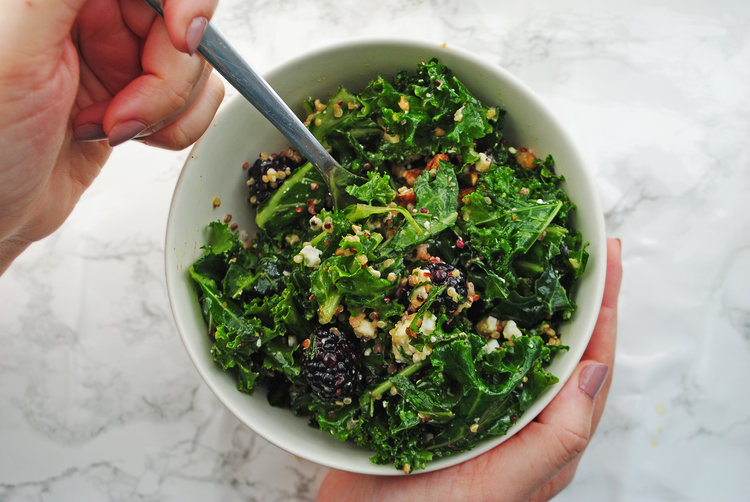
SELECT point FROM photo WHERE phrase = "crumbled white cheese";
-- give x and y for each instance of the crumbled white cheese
(363, 327)
(401, 342)
(491, 346)
(483, 164)
(428, 324)
(510, 330)
(311, 256)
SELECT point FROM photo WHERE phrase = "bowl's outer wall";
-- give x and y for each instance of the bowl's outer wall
(239, 133)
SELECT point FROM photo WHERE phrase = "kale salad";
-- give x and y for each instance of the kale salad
(419, 319)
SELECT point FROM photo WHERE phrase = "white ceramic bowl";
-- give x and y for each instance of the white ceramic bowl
(240, 133)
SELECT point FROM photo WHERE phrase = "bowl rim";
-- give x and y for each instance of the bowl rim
(596, 268)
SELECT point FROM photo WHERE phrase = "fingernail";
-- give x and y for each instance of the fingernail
(592, 378)
(126, 131)
(89, 132)
(195, 32)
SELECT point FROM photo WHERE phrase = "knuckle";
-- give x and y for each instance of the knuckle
(177, 95)
(571, 444)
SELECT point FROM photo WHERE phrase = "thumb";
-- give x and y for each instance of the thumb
(562, 430)
(33, 27)
(556, 438)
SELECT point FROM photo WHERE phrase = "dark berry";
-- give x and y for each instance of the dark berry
(269, 172)
(330, 365)
(440, 274)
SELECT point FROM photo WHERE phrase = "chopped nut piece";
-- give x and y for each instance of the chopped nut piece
(403, 104)
(526, 159)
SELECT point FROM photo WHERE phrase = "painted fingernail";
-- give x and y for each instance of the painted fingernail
(89, 132)
(592, 378)
(126, 131)
(195, 32)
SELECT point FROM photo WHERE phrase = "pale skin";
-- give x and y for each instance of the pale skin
(77, 78)
(535, 464)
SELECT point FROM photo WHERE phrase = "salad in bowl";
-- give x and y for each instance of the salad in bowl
(419, 319)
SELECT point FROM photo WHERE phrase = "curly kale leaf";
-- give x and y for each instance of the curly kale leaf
(526, 260)
(436, 203)
(250, 311)
(287, 207)
(424, 113)
(491, 384)
(350, 277)
(377, 189)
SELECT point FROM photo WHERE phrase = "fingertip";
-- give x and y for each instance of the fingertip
(592, 379)
(575, 401)
(195, 33)
(89, 132)
(127, 130)
(186, 22)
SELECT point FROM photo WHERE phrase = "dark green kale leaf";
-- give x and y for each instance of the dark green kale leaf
(436, 203)
(427, 400)
(424, 113)
(220, 239)
(377, 189)
(345, 129)
(261, 276)
(288, 206)
(547, 297)
(516, 224)
(349, 277)
(490, 386)
(235, 336)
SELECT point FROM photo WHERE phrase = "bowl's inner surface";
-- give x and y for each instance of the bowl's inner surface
(240, 133)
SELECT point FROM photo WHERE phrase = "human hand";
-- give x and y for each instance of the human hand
(76, 73)
(536, 463)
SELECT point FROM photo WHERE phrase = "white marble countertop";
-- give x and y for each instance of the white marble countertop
(100, 401)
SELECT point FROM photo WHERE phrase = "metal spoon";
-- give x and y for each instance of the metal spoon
(225, 60)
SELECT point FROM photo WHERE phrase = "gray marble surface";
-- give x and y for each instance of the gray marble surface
(99, 400)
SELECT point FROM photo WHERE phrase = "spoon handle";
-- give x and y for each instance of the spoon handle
(225, 60)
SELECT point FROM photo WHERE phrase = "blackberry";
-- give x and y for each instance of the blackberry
(437, 273)
(269, 172)
(331, 365)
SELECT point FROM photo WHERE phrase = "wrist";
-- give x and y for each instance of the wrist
(9, 250)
